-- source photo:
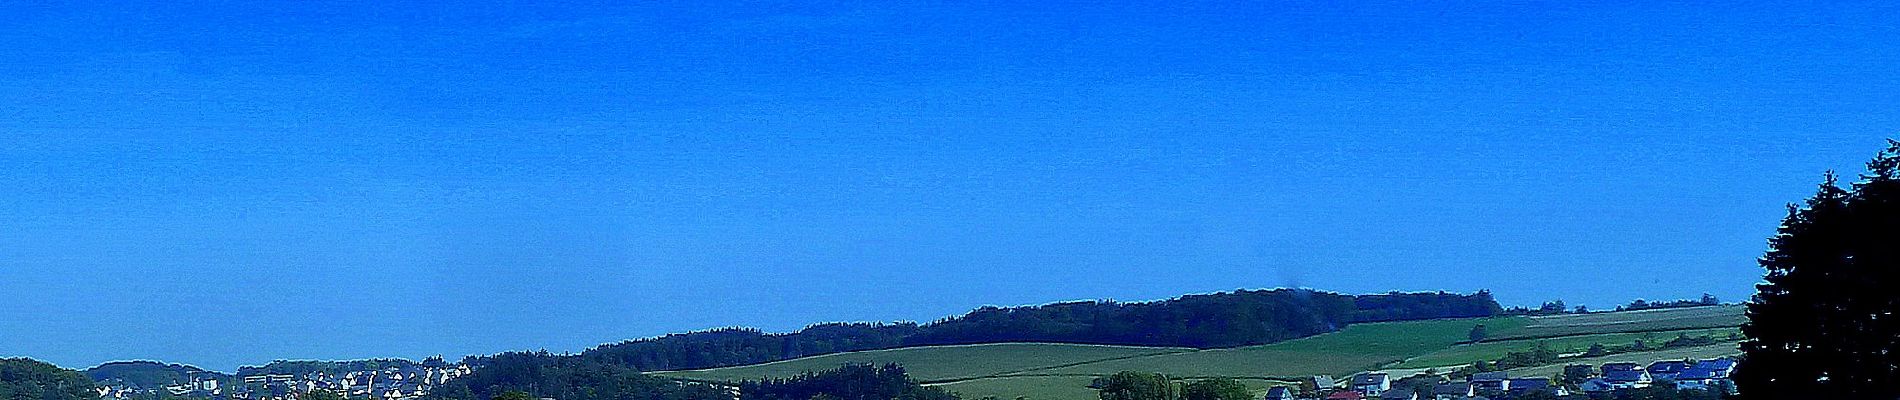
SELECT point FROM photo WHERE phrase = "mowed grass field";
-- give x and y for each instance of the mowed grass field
(1465, 354)
(1667, 319)
(1049, 371)
(938, 363)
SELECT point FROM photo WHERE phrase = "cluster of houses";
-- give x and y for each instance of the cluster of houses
(1710, 375)
(1604, 382)
(393, 383)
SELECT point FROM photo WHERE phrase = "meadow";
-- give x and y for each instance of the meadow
(1465, 354)
(1668, 319)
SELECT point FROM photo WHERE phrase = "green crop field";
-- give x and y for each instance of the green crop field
(1465, 354)
(938, 363)
(1668, 319)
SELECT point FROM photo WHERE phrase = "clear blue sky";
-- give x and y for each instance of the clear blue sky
(231, 183)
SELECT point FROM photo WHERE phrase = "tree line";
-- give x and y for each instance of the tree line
(1134, 385)
(1239, 318)
(847, 382)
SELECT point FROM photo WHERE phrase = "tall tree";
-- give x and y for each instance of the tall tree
(1216, 389)
(1130, 385)
(1821, 322)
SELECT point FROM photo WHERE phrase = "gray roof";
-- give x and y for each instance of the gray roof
(1368, 379)
(1452, 389)
(1490, 377)
(1624, 376)
(1524, 384)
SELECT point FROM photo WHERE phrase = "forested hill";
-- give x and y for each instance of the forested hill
(22, 378)
(1228, 319)
(145, 374)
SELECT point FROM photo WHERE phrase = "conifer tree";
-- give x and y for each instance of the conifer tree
(1822, 324)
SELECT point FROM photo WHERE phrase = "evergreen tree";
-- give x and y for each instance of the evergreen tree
(1821, 323)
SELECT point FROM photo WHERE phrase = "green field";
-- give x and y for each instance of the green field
(1465, 354)
(1668, 319)
(938, 363)
(1047, 371)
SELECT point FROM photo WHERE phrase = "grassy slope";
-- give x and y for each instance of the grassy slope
(1467, 353)
(1630, 321)
(938, 363)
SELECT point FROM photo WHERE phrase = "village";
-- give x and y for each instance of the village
(391, 383)
(1604, 381)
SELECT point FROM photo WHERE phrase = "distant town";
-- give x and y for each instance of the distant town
(395, 382)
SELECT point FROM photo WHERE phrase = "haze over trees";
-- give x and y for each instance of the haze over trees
(1822, 324)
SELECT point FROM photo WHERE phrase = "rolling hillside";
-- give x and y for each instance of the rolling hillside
(940, 363)
(1063, 371)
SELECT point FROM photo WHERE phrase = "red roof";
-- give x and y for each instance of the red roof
(1344, 396)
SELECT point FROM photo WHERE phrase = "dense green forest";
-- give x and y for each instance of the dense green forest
(848, 382)
(736, 346)
(568, 378)
(27, 379)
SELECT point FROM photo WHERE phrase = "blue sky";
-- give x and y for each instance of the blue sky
(229, 183)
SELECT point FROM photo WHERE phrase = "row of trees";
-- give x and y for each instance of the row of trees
(848, 382)
(1557, 307)
(1131, 385)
